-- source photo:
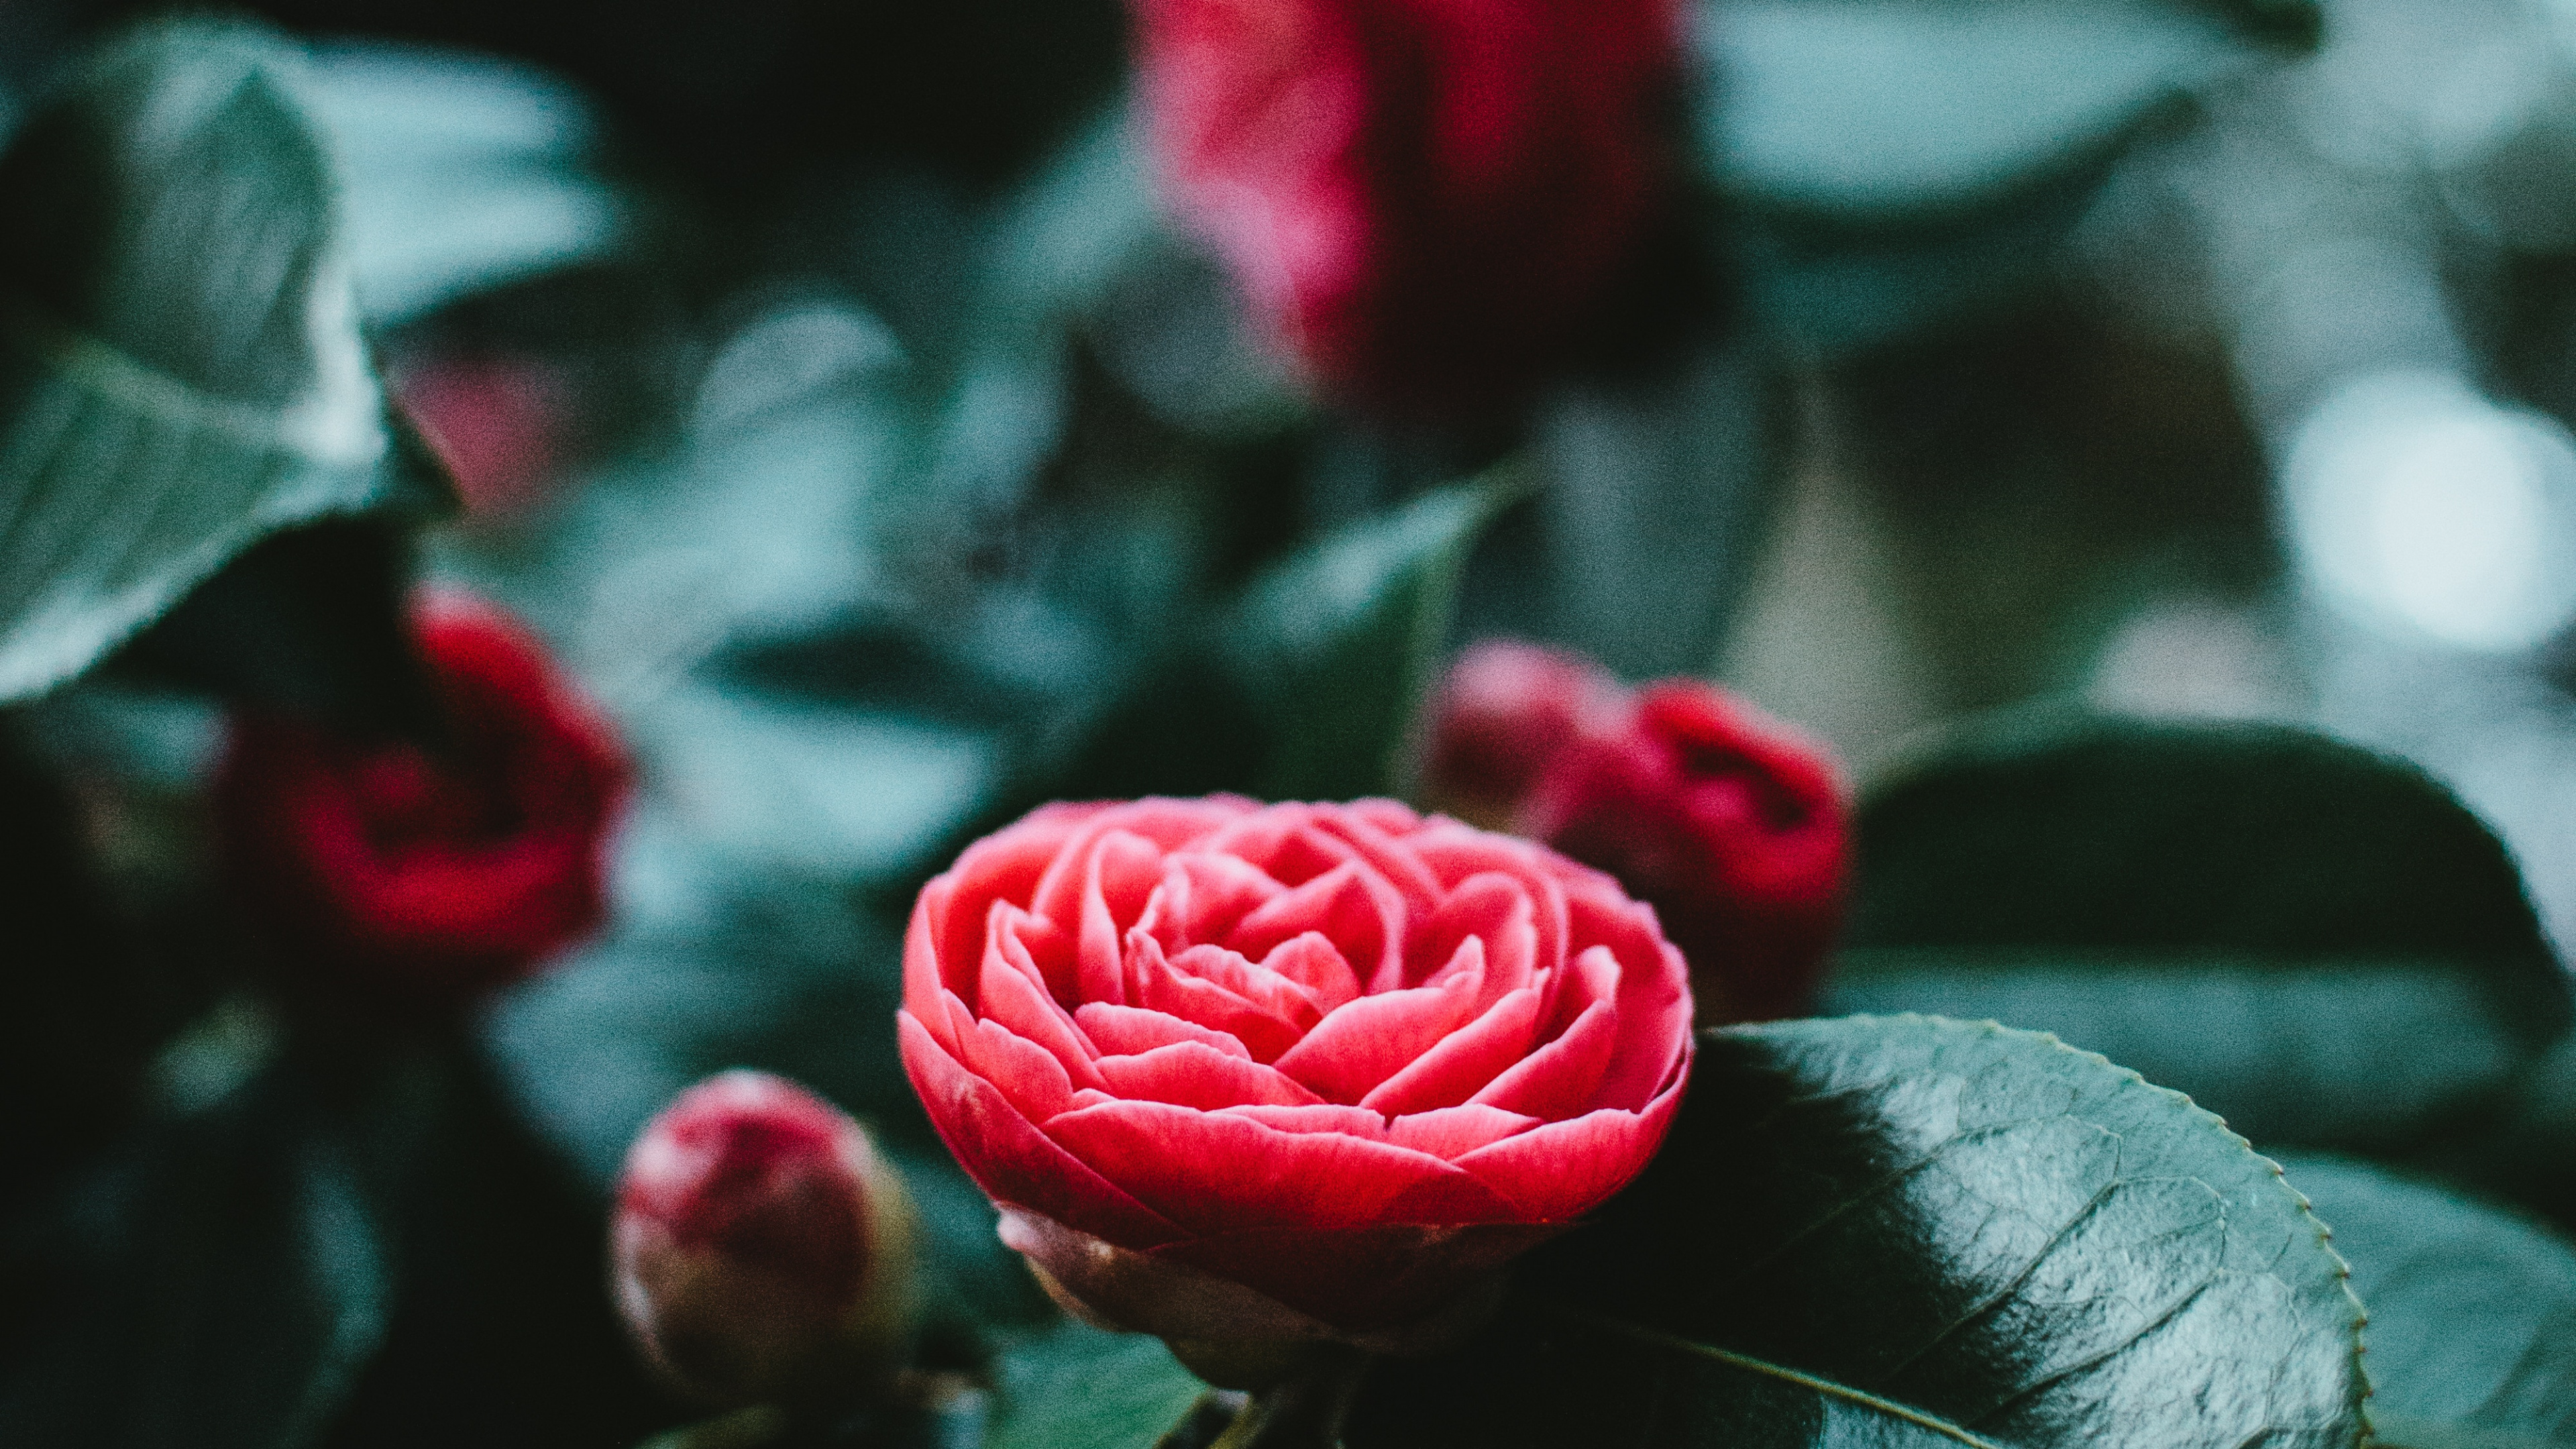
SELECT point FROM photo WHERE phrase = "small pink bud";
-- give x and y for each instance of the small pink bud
(1504, 711)
(762, 1248)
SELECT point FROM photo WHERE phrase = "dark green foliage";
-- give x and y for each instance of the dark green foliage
(1074, 1387)
(1338, 643)
(1907, 1230)
(2472, 1332)
(2319, 943)
(183, 372)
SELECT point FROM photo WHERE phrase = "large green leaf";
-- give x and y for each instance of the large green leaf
(2318, 943)
(1908, 1231)
(1335, 644)
(1083, 1388)
(180, 365)
(2472, 1333)
(224, 1290)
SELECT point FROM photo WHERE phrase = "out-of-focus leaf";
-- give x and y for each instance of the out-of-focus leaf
(464, 173)
(1335, 643)
(1883, 111)
(1655, 500)
(1902, 163)
(2319, 943)
(1908, 1231)
(2472, 1332)
(1077, 1387)
(310, 620)
(242, 1279)
(182, 370)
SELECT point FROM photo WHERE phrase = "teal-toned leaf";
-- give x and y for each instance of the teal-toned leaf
(2316, 942)
(2472, 1332)
(463, 173)
(1335, 643)
(1908, 1231)
(1884, 111)
(180, 366)
(243, 1283)
(1076, 1387)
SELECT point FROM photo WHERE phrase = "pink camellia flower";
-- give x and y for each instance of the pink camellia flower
(1244, 1072)
(1422, 198)
(761, 1247)
(433, 876)
(1502, 713)
(1733, 826)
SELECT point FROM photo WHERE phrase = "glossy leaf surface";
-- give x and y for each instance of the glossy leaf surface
(182, 371)
(2472, 1332)
(1075, 1387)
(1909, 1231)
(2318, 943)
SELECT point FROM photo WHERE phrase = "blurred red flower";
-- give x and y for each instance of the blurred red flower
(1288, 1072)
(1504, 711)
(761, 1246)
(432, 875)
(1423, 199)
(1735, 828)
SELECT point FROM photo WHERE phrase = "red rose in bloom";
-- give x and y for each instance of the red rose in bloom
(1501, 715)
(436, 876)
(1731, 825)
(1295, 1071)
(1422, 197)
(761, 1246)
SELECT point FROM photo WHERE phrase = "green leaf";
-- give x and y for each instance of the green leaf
(1335, 644)
(2472, 1332)
(1880, 111)
(1908, 1231)
(180, 366)
(1076, 1387)
(2319, 943)
(247, 1283)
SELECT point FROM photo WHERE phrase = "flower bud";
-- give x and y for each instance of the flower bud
(762, 1249)
(1502, 713)
(1733, 826)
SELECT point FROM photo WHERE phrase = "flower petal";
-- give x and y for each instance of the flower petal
(1028, 1074)
(1563, 1078)
(1152, 983)
(1317, 965)
(1492, 906)
(1653, 996)
(1012, 997)
(1321, 1117)
(1221, 1170)
(1128, 1030)
(1562, 1170)
(1194, 1074)
(1448, 1132)
(1464, 1061)
(1011, 1159)
(1350, 905)
(1370, 1038)
(1287, 1000)
(1202, 898)
(1125, 868)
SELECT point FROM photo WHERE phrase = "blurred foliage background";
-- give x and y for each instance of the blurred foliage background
(824, 383)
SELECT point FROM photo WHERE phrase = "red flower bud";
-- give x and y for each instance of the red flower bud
(1500, 716)
(427, 875)
(761, 1249)
(1423, 200)
(1734, 827)
(499, 424)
